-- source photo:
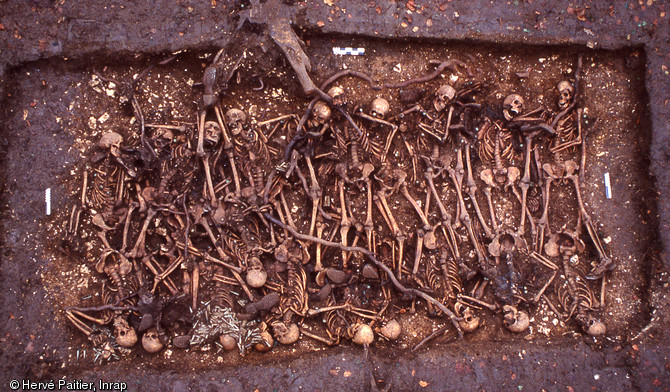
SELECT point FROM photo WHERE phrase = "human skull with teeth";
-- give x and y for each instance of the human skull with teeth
(515, 320)
(320, 114)
(235, 119)
(566, 93)
(443, 97)
(286, 334)
(512, 106)
(379, 108)
(151, 341)
(470, 321)
(338, 96)
(212, 132)
(124, 333)
(591, 325)
(110, 140)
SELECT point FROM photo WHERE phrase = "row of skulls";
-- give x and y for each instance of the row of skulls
(513, 104)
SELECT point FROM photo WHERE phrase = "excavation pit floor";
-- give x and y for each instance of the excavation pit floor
(57, 110)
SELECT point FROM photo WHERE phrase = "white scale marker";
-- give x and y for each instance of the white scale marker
(47, 197)
(348, 51)
(608, 186)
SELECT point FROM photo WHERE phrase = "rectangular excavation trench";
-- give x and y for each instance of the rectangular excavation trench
(57, 110)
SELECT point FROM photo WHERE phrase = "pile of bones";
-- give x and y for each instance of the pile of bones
(330, 222)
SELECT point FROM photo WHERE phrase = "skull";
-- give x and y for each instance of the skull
(591, 325)
(125, 334)
(363, 335)
(266, 344)
(470, 320)
(391, 330)
(151, 341)
(267, 341)
(286, 334)
(235, 119)
(567, 92)
(213, 131)
(512, 106)
(338, 96)
(443, 96)
(320, 113)
(228, 342)
(256, 275)
(515, 320)
(379, 107)
(109, 140)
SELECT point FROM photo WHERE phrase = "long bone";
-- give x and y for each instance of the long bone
(345, 223)
(200, 149)
(381, 209)
(430, 241)
(72, 316)
(524, 185)
(314, 193)
(397, 232)
(208, 176)
(582, 165)
(431, 173)
(319, 232)
(289, 217)
(605, 262)
(549, 264)
(393, 224)
(126, 227)
(368, 225)
(457, 175)
(472, 192)
(413, 202)
(427, 229)
(228, 147)
(138, 250)
(418, 252)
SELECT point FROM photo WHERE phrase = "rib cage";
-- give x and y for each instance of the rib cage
(104, 187)
(487, 140)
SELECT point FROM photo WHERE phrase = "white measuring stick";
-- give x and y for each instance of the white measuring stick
(47, 198)
(608, 186)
